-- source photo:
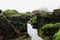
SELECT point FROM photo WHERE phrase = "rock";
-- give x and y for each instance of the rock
(57, 36)
(13, 24)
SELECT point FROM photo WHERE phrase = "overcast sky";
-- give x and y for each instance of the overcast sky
(29, 5)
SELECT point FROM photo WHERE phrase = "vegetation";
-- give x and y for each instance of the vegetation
(57, 36)
(47, 23)
(13, 24)
(48, 30)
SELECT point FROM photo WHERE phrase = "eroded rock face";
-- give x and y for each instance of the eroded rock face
(43, 18)
(13, 24)
(0, 11)
(56, 15)
(6, 29)
(47, 31)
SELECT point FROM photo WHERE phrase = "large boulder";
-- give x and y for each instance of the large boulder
(6, 29)
(40, 18)
(56, 15)
(14, 24)
(17, 19)
(48, 30)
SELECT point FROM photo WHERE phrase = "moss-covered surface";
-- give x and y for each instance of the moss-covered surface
(47, 23)
(57, 36)
(14, 24)
(48, 30)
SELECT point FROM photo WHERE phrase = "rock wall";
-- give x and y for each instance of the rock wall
(13, 25)
(42, 18)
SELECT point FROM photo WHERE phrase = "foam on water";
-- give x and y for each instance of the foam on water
(33, 32)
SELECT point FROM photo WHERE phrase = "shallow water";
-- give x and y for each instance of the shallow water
(33, 33)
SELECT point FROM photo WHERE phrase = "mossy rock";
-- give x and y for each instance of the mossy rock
(57, 36)
(45, 31)
(48, 30)
(13, 24)
(6, 29)
(17, 19)
(14, 13)
(57, 24)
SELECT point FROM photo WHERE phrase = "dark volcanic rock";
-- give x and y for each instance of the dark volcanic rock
(13, 24)
(6, 29)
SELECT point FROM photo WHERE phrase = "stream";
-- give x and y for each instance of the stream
(33, 32)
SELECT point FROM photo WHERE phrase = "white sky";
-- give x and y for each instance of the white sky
(29, 5)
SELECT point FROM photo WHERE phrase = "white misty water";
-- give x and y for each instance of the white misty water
(33, 32)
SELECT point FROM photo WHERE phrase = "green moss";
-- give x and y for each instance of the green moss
(57, 36)
(17, 21)
(48, 30)
(33, 20)
(45, 32)
(57, 24)
(11, 13)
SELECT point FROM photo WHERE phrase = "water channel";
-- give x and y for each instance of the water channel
(33, 32)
